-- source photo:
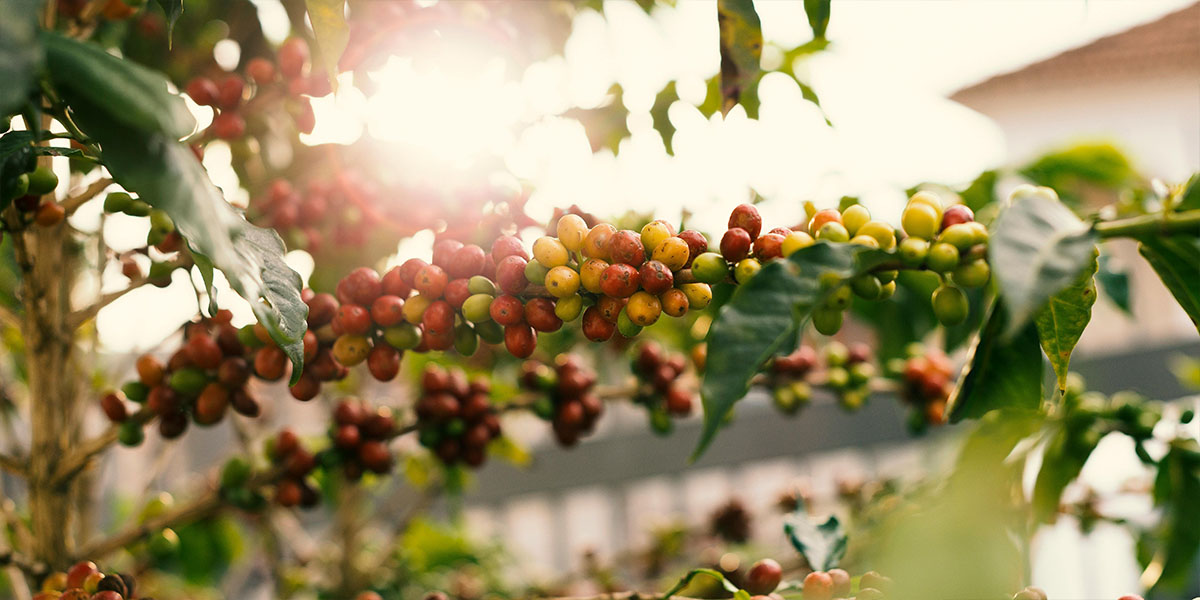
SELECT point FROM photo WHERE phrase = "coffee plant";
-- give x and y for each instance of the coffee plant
(416, 364)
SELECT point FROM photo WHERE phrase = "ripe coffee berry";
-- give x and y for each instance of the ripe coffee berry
(763, 577)
(455, 419)
(736, 244)
(625, 246)
(818, 585)
(619, 280)
(746, 217)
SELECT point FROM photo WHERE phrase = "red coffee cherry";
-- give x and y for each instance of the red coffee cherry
(375, 456)
(507, 310)
(679, 401)
(520, 340)
(229, 91)
(610, 308)
(467, 261)
(293, 57)
(203, 91)
(768, 246)
(409, 269)
(507, 245)
(431, 281)
(457, 292)
(958, 213)
(438, 317)
(114, 407)
(383, 362)
(203, 351)
(655, 277)
(385, 311)
(233, 372)
(539, 314)
(619, 280)
(352, 319)
(841, 582)
(244, 403)
(697, 244)
(150, 370)
(394, 284)
(595, 327)
(228, 126)
(260, 70)
(735, 244)
(818, 585)
(211, 404)
(270, 363)
(746, 217)
(625, 246)
(443, 251)
(763, 577)
(362, 286)
(306, 388)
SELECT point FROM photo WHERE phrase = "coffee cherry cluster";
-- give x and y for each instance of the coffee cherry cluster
(318, 213)
(319, 364)
(847, 373)
(926, 385)
(85, 581)
(660, 389)
(960, 243)
(455, 417)
(200, 382)
(360, 436)
(565, 396)
(232, 98)
(294, 487)
(30, 192)
(835, 583)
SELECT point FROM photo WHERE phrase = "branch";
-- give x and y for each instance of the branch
(72, 203)
(82, 455)
(82, 316)
(14, 464)
(1186, 222)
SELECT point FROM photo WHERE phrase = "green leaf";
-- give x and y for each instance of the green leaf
(1001, 371)
(1177, 536)
(1073, 170)
(1114, 283)
(1174, 259)
(741, 48)
(20, 53)
(1063, 319)
(658, 115)
(822, 545)
(1189, 198)
(172, 9)
(606, 125)
(764, 314)
(811, 95)
(1038, 247)
(17, 156)
(687, 579)
(166, 174)
(328, 19)
(981, 192)
(133, 95)
(1066, 452)
(818, 16)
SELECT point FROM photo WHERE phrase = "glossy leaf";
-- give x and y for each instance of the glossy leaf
(17, 156)
(741, 48)
(823, 545)
(1176, 539)
(328, 19)
(764, 314)
(1175, 259)
(167, 175)
(1114, 283)
(1038, 247)
(818, 16)
(172, 9)
(1000, 372)
(132, 95)
(20, 53)
(1063, 319)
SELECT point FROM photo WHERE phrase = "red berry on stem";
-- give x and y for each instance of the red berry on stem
(746, 217)
(625, 246)
(595, 327)
(768, 246)
(306, 388)
(539, 314)
(203, 91)
(735, 244)
(958, 213)
(655, 277)
(438, 317)
(506, 246)
(697, 244)
(507, 310)
(293, 57)
(229, 91)
(383, 362)
(510, 274)
(619, 280)
(457, 292)
(385, 311)
(203, 351)
(394, 284)
(519, 340)
(443, 251)
(763, 577)
(431, 281)
(352, 319)
(362, 286)
(467, 261)
(260, 70)
(818, 585)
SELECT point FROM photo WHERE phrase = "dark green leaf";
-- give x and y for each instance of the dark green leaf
(1114, 283)
(818, 16)
(981, 192)
(20, 53)
(1189, 198)
(823, 545)
(1073, 170)
(606, 125)
(741, 48)
(133, 95)
(764, 314)
(167, 175)
(328, 19)
(1177, 536)
(1063, 319)
(811, 95)
(687, 579)
(1001, 371)
(1175, 259)
(172, 9)
(658, 115)
(1038, 247)
(17, 156)
(907, 316)
(1066, 452)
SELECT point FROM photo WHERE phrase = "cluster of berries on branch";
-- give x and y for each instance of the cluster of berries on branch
(660, 387)
(847, 373)
(85, 581)
(566, 397)
(456, 419)
(29, 190)
(294, 486)
(926, 378)
(360, 436)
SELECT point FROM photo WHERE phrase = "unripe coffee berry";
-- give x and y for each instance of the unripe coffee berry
(550, 252)
(699, 295)
(746, 269)
(942, 258)
(854, 217)
(920, 220)
(596, 243)
(562, 281)
(822, 217)
(643, 308)
(794, 241)
(571, 230)
(672, 252)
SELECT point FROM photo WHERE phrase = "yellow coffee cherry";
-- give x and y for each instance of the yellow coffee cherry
(920, 220)
(854, 217)
(931, 199)
(643, 308)
(589, 274)
(655, 232)
(698, 294)
(864, 240)
(674, 302)
(595, 244)
(562, 281)
(882, 232)
(550, 252)
(569, 308)
(571, 231)
(795, 241)
(978, 231)
(672, 252)
(414, 308)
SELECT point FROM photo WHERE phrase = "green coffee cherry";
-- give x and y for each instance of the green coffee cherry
(833, 232)
(950, 305)
(455, 427)
(841, 298)
(836, 354)
(942, 257)
(403, 336)
(465, 340)
(117, 202)
(784, 398)
(626, 326)
(745, 269)
(161, 221)
(130, 433)
(960, 236)
(913, 251)
(827, 321)
(235, 473)
(887, 291)
(973, 274)
(135, 391)
(247, 337)
(430, 437)
(477, 308)
(710, 267)
(660, 421)
(535, 272)
(838, 377)
(861, 373)
(854, 217)
(569, 308)
(543, 407)
(188, 381)
(17, 186)
(161, 270)
(481, 285)
(42, 180)
(490, 332)
(866, 287)
(138, 208)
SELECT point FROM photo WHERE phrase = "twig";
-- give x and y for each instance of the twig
(72, 203)
(14, 464)
(81, 316)
(76, 461)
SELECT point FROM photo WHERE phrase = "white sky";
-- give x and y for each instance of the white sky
(882, 83)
